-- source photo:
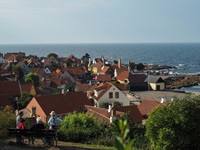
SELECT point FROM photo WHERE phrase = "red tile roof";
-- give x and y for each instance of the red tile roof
(135, 114)
(131, 77)
(83, 87)
(63, 103)
(26, 87)
(105, 88)
(76, 71)
(10, 87)
(101, 114)
(147, 105)
(98, 64)
(104, 78)
(104, 69)
(4, 100)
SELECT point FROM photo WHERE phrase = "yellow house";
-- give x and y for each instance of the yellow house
(156, 83)
(97, 67)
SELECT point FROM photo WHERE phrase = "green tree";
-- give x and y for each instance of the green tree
(132, 65)
(140, 66)
(175, 125)
(19, 71)
(7, 117)
(86, 57)
(52, 55)
(69, 62)
(25, 99)
(33, 78)
(70, 87)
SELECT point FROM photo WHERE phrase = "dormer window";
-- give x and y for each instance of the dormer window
(125, 80)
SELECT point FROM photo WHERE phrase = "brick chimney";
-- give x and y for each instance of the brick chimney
(119, 63)
(33, 111)
(113, 113)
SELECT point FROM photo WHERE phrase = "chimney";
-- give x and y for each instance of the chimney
(109, 108)
(119, 63)
(33, 111)
(89, 62)
(113, 113)
(63, 91)
(129, 67)
(162, 100)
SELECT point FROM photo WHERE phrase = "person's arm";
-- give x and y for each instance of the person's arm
(50, 120)
(60, 120)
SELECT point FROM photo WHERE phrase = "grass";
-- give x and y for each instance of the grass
(61, 145)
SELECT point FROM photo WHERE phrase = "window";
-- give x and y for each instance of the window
(110, 94)
(116, 94)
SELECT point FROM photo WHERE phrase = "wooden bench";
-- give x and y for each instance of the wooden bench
(51, 135)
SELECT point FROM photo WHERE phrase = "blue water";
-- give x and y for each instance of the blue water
(184, 56)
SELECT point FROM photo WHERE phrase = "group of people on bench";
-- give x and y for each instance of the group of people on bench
(53, 123)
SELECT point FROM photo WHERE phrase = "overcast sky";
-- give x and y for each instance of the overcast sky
(99, 21)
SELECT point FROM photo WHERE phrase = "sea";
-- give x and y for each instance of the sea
(184, 56)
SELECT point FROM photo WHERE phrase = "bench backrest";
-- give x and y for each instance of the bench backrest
(35, 133)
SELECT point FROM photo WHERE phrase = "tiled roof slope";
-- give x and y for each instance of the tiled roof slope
(10, 87)
(63, 103)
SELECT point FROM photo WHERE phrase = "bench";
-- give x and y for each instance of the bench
(43, 133)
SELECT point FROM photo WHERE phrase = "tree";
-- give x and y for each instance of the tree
(52, 55)
(86, 57)
(7, 117)
(33, 78)
(69, 62)
(140, 66)
(132, 65)
(25, 99)
(18, 70)
(175, 125)
(70, 87)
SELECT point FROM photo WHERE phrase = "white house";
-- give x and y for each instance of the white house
(109, 93)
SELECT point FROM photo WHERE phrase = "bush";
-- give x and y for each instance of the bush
(7, 117)
(79, 128)
(175, 125)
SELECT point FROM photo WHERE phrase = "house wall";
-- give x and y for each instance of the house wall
(33, 92)
(39, 110)
(94, 70)
(153, 86)
(105, 98)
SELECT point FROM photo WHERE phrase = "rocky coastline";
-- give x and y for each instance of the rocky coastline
(177, 82)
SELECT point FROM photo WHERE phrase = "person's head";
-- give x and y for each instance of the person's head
(21, 113)
(39, 120)
(53, 113)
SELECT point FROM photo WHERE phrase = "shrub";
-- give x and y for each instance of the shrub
(175, 125)
(7, 118)
(79, 127)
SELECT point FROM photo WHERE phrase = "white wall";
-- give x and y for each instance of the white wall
(105, 98)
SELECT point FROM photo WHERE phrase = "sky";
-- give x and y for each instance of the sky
(99, 21)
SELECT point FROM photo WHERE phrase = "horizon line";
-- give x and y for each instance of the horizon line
(102, 43)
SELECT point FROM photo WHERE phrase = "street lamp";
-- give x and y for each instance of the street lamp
(18, 102)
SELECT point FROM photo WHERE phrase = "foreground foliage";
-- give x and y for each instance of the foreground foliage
(175, 125)
(80, 127)
(7, 118)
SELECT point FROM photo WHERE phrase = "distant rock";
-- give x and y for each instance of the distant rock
(182, 81)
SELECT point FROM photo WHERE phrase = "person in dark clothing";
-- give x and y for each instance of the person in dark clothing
(39, 125)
